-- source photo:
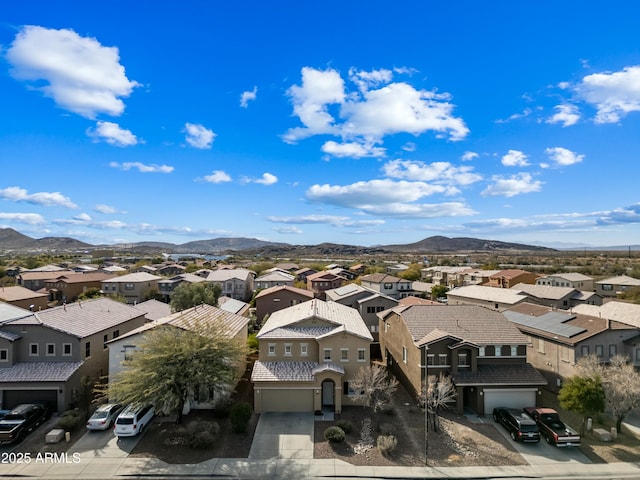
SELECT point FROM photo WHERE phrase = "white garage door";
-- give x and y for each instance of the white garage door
(287, 400)
(509, 397)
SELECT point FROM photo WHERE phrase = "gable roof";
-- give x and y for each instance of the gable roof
(570, 276)
(153, 309)
(137, 277)
(276, 276)
(472, 323)
(479, 292)
(10, 312)
(224, 274)
(82, 277)
(545, 291)
(620, 280)
(511, 273)
(277, 288)
(82, 319)
(16, 292)
(627, 313)
(339, 318)
(382, 278)
(39, 371)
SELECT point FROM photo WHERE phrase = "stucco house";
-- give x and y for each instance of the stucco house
(122, 348)
(235, 282)
(484, 354)
(511, 277)
(277, 298)
(614, 286)
(498, 299)
(558, 297)
(389, 285)
(274, 279)
(557, 339)
(35, 279)
(134, 287)
(320, 282)
(166, 286)
(24, 298)
(571, 279)
(45, 355)
(308, 354)
(68, 287)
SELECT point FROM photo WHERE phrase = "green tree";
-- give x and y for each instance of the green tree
(438, 291)
(583, 395)
(187, 295)
(412, 273)
(173, 363)
(90, 293)
(374, 387)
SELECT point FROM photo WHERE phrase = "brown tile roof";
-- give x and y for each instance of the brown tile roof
(272, 290)
(495, 375)
(82, 277)
(14, 293)
(382, 277)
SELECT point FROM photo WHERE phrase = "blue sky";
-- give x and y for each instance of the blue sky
(310, 122)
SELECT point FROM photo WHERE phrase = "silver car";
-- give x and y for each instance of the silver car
(104, 416)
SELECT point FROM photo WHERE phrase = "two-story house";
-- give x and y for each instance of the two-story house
(24, 298)
(45, 355)
(277, 298)
(498, 299)
(481, 350)
(67, 288)
(614, 286)
(557, 297)
(388, 285)
(134, 287)
(511, 277)
(236, 283)
(308, 354)
(235, 326)
(166, 286)
(274, 278)
(557, 339)
(35, 280)
(320, 282)
(572, 279)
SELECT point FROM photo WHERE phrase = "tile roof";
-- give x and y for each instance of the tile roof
(339, 316)
(232, 305)
(382, 277)
(10, 312)
(39, 372)
(628, 313)
(478, 292)
(82, 319)
(571, 276)
(270, 290)
(12, 337)
(496, 375)
(82, 277)
(544, 291)
(137, 277)
(620, 280)
(291, 371)
(474, 324)
(229, 273)
(45, 275)
(13, 293)
(276, 276)
(297, 332)
(154, 309)
(509, 273)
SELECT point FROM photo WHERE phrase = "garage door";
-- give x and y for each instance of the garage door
(12, 398)
(507, 397)
(287, 400)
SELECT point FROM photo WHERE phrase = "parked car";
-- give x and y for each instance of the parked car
(21, 421)
(132, 420)
(104, 416)
(554, 430)
(521, 427)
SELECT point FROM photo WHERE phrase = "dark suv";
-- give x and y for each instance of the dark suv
(520, 426)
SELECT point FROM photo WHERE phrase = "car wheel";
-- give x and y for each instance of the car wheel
(513, 436)
(548, 439)
(141, 428)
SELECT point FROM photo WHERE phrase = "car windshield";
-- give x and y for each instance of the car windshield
(100, 414)
(14, 416)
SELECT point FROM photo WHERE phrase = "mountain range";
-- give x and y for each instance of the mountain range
(14, 241)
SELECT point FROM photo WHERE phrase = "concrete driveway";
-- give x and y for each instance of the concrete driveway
(104, 444)
(283, 435)
(544, 454)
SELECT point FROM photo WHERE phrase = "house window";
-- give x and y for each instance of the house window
(541, 346)
(606, 286)
(388, 286)
(564, 353)
(584, 351)
(128, 352)
(287, 349)
(4, 355)
(116, 334)
(613, 350)
(51, 349)
(128, 286)
(361, 355)
(374, 328)
(105, 339)
(304, 349)
(498, 349)
(33, 350)
(371, 309)
(430, 358)
(327, 355)
(481, 351)
(87, 349)
(514, 350)
(66, 349)
(496, 306)
(344, 354)
(599, 351)
(404, 354)
(272, 349)
(442, 359)
(463, 360)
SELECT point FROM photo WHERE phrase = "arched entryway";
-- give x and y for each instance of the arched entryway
(328, 394)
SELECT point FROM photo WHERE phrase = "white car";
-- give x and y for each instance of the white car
(104, 416)
(132, 420)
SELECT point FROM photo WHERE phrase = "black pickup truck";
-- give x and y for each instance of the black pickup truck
(554, 430)
(22, 420)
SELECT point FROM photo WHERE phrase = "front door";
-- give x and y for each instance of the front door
(328, 393)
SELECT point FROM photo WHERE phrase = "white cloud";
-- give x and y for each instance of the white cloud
(614, 95)
(288, 230)
(101, 208)
(334, 220)
(468, 156)
(438, 172)
(515, 158)
(78, 73)
(198, 136)
(141, 167)
(367, 115)
(248, 96)
(112, 134)
(566, 114)
(425, 210)
(267, 179)
(563, 156)
(217, 176)
(48, 199)
(525, 113)
(512, 186)
(83, 217)
(352, 149)
(28, 218)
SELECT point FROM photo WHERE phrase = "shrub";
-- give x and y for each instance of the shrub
(70, 420)
(345, 426)
(240, 416)
(334, 434)
(387, 429)
(201, 435)
(387, 444)
(252, 342)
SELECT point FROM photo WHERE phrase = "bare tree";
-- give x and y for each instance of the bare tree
(439, 392)
(374, 386)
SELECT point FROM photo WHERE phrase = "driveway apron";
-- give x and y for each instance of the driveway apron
(283, 435)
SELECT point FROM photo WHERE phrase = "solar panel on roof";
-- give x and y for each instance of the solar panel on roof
(551, 322)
